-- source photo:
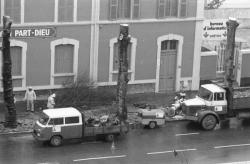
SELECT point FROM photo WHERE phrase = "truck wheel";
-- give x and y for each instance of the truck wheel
(56, 141)
(109, 137)
(209, 122)
(152, 125)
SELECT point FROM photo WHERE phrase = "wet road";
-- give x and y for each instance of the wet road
(227, 144)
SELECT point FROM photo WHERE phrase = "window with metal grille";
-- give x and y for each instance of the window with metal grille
(124, 9)
(65, 10)
(64, 57)
(12, 8)
(172, 8)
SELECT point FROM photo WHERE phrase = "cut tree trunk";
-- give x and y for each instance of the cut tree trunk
(122, 80)
(10, 112)
(229, 63)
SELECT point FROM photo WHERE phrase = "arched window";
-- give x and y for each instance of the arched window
(64, 61)
(18, 51)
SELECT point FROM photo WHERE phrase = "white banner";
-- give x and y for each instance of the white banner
(214, 29)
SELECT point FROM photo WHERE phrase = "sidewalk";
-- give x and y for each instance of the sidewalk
(26, 120)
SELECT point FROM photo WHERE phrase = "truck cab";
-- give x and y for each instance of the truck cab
(207, 107)
(54, 125)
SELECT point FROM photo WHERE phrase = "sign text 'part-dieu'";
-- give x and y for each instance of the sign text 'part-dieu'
(33, 32)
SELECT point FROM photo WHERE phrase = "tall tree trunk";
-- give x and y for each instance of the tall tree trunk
(122, 80)
(229, 63)
(10, 113)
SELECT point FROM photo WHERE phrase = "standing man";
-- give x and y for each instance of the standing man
(51, 101)
(30, 97)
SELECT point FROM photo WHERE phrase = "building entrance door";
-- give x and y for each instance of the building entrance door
(168, 65)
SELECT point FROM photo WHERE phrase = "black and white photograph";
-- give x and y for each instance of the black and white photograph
(124, 82)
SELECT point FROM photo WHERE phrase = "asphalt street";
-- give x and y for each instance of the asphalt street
(176, 142)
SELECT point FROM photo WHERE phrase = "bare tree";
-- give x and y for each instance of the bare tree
(10, 114)
(122, 80)
(232, 24)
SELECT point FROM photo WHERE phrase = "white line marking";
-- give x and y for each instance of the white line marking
(170, 151)
(49, 163)
(108, 157)
(186, 134)
(219, 147)
(241, 162)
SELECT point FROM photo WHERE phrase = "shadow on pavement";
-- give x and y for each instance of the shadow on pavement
(193, 126)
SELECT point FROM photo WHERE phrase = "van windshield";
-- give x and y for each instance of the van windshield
(205, 94)
(43, 119)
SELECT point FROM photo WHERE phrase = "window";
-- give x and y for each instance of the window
(18, 58)
(64, 61)
(169, 45)
(124, 9)
(56, 121)
(65, 10)
(219, 96)
(64, 58)
(183, 8)
(13, 9)
(172, 8)
(71, 120)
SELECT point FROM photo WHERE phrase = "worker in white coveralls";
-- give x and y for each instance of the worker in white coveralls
(30, 97)
(51, 101)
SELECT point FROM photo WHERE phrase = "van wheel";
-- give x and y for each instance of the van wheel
(209, 122)
(152, 125)
(56, 141)
(109, 137)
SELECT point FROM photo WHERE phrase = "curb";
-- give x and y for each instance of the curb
(12, 133)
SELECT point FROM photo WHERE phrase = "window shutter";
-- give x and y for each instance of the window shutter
(126, 8)
(183, 8)
(115, 57)
(136, 9)
(113, 7)
(16, 57)
(174, 8)
(64, 58)
(161, 6)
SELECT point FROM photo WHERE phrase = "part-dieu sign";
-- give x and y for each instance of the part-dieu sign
(33, 32)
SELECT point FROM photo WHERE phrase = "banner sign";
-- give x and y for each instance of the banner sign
(36, 32)
(214, 29)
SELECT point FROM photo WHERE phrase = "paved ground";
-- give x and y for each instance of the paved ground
(27, 119)
(228, 144)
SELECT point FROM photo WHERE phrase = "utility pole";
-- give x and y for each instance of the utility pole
(10, 114)
(232, 24)
(122, 81)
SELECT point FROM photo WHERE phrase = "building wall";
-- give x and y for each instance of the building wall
(39, 54)
(145, 65)
(148, 9)
(93, 29)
